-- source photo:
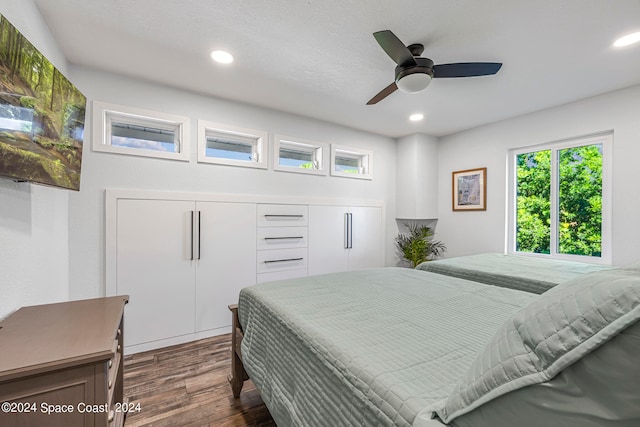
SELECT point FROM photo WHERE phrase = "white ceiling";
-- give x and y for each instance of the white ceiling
(318, 58)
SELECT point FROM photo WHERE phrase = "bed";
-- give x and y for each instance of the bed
(402, 347)
(531, 274)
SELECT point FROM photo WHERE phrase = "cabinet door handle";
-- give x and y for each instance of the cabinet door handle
(283, 216)
(348, 230)
(191, 245)
(282, 260)
(199, 240)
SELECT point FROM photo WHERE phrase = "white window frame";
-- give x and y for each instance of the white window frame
(364, 158)
(319, 151)
(606, 139)
(105, 113)
(257, 138)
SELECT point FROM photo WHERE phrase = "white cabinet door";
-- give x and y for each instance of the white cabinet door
(327, 239)
(367, 244)
(345, 238)
(226, 259)
(155, 269)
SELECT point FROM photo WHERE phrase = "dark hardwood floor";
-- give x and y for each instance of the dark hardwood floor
(186, 385)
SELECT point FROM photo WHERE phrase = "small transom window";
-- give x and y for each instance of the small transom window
(301, 156)
(132, 131)
(351, 162)
(229, 145)
(144, 137)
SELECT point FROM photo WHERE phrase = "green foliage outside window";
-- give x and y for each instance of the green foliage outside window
(533, 215)
(580, 201)
(579, 215)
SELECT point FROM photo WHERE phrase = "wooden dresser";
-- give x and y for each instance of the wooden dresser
(61, 364)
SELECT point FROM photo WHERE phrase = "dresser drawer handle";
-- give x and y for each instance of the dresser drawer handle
(283, 238)
(283, 260)
(282, 216)
(110, 363)
(111, 416)
(110, 385)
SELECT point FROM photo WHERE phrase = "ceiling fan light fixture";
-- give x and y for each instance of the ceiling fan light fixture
(412, 83)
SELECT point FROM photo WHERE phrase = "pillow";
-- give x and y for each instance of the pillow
(554, 331)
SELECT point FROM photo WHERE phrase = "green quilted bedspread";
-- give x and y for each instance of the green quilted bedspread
(366, 348)
(529, 274)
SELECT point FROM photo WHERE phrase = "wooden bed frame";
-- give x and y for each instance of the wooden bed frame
(238, 375)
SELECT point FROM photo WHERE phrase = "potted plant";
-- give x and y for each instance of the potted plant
(418, 246)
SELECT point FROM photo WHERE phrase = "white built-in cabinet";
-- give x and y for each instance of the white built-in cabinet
(182, 258)
(343, 238)
(182, 263)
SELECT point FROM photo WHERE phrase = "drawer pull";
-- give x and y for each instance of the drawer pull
(283, 238)
(112, 415)
(110, 363)
(110, 385)
(283, 260)
(283, 216)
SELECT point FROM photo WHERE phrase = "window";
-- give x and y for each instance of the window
(560, 204)
(126, 130)
(230, 145)
(298, 155)
(351, 162)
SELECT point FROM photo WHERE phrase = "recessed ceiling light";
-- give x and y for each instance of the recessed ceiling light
(627, 40)
(416, 117)
(222, 56)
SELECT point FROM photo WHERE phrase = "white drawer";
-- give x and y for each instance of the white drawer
(282, 215)
(281, 260)
(281, 275)
(282, 237)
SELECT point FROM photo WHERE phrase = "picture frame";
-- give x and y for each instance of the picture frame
(469, 190)
(41, 116)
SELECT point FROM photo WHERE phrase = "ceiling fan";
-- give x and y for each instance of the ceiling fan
(414, 73)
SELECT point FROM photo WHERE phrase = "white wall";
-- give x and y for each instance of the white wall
(104, 170)
(417, 181)
(33, 219)
(474, 232)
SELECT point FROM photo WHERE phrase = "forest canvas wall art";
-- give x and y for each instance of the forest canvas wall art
(41, 116)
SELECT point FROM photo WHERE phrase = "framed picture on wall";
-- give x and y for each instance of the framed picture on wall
(469, 190)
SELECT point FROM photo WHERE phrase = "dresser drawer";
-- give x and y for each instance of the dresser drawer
(281, 238)
(281, 275)
(281, 260)
(282, 215)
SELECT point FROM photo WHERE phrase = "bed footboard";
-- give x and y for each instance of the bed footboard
(238, 375)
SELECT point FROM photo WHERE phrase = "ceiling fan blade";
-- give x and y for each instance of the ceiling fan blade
(383, 94)
(466, 69)
(394, 48)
